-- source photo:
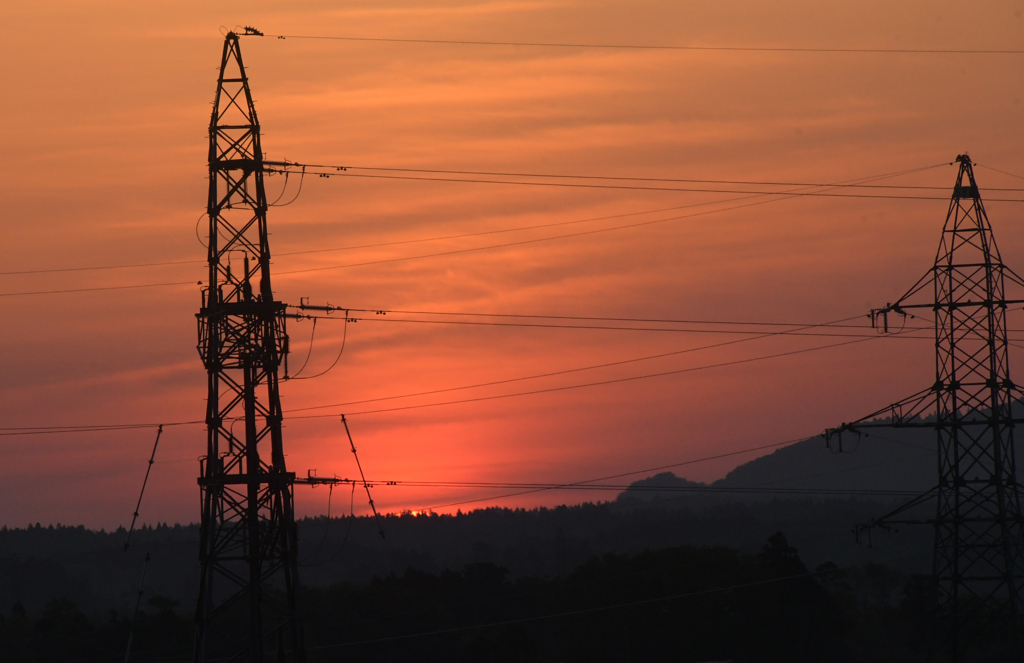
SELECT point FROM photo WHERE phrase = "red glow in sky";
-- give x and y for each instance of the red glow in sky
(105, 111)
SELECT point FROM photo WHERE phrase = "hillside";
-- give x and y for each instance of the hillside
(891, 460)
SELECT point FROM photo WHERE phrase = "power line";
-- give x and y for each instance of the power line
(578, 369)
(1019, 177)
(481, 323)
(486, 232)
(902, 334)
(369, 246)
(679, 321)
(651, 489)
(102, 267)
(42, 430)
(601, 382)
(654, 47)
(692, 461)
(334, 168)
(470, 250)
(94, 289)
(638, 224)
(424, 256)
(85, 428)
(630, 187)
(88, 428)
(385, 244)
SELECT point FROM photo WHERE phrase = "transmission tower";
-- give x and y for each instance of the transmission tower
(247, 607)
(978, 561)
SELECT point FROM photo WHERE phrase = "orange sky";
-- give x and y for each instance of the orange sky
(105, 108)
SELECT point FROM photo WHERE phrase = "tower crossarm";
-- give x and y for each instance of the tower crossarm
(898, 516)
(915, 411)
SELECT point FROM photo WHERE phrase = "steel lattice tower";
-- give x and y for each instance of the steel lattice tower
(246, 609)
(978, 562)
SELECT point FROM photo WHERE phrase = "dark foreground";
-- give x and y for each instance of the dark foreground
(679, 604)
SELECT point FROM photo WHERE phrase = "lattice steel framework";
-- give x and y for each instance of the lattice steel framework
(246, 609)
(979, 536)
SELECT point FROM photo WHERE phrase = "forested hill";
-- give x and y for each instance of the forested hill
(89, 568)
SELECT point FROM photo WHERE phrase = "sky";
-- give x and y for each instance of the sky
(103, 122)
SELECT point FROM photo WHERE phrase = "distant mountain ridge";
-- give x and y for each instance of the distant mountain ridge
(888, 459)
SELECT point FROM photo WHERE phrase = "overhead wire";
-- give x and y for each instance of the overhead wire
(344, 338)
(366, 485)
(602, 382)
(312, 335)
(655, 489)
(578, 369)
(633, 187)
(145, 480)
(639, 224)
(441, 238)
(374, 245)
(1019, 177)
(38, 430)
(600, 318)
(661, 47)
(483, 323)
(902, 333)
(344, 540)
(335, 168)
(302, 178)
(692, 461)
(469, 250)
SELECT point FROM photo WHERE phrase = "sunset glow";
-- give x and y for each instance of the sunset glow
(105, 115)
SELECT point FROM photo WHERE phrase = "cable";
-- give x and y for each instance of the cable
(625, 187)
(196, 262)
(477, 323)
(145, 480)
(598, 318)
(596, 384)
(352, 444)
(446, 253)
(312, 335)
(563, 236)
(555, 373)
(756, 182)
(902, 333)
(102, 267)
(336, 168)
(407, 258)
(344, 540)
(752, 49)
(1019, 177)
(39, 430)
(327, 527)
(376, 245)
(344, 337)
(87, 428)
(660, 489)
(280, 195)
(295, 197)
(96, 289)
(626, 474)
